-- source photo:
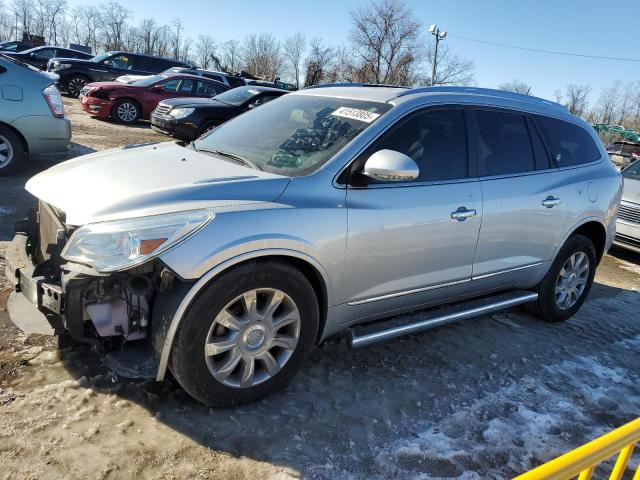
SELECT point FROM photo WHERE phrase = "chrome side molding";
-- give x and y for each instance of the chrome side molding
(361, 336)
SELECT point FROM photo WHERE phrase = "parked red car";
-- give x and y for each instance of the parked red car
(127, 103)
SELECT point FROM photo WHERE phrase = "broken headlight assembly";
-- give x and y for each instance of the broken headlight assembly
(122, 244)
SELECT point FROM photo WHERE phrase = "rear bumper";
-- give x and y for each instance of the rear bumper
(182, 129)
(44, 133)
(96, 106)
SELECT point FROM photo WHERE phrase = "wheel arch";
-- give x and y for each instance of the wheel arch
(22, 138)
(594, 229)
(306, 264)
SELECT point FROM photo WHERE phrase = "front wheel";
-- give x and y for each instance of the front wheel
(75, 85)
(126, 111)
(246, 335)
(566, 286)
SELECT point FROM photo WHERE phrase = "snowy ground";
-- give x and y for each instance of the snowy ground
(483, 399)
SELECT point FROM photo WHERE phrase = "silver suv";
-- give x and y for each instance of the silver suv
(328, 209)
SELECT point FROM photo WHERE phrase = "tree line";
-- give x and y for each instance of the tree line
(386, 44)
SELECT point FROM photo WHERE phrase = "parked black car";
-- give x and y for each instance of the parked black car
(75, 74)
(189, 118)
(40, 56)
(14, 46)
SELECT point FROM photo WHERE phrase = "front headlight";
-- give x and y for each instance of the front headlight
(181, 112)
(122, 244)
(59, 66)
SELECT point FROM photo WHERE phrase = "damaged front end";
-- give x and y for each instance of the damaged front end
(102, 308)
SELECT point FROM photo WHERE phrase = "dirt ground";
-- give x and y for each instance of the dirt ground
(483, 399)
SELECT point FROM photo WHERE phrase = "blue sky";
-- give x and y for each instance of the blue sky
(593, 27)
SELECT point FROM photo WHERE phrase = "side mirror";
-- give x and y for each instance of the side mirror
(391, 166)
(108, 63)
(158, 88)
(251, 106)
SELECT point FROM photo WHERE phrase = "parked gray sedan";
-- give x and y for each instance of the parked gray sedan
(628, 227)
(31, 114)
(325, 210)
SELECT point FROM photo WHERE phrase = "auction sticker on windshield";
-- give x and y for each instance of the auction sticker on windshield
(356, 114)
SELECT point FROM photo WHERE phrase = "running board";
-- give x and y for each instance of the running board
(361, 336)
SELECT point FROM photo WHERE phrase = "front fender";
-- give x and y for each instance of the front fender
(169, 313)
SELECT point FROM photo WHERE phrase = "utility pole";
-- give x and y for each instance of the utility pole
(435, 31)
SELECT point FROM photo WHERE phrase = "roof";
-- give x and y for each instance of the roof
(397, 95)
(260, 88)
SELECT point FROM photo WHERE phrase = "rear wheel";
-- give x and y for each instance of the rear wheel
(75, 84)
(12, 152)
(566, 286)
(126, 111)
(246, 335)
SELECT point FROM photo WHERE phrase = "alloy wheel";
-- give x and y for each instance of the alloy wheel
(75, 85)
(252, 338)
(127, 112)
(572, 280)
(6, 152)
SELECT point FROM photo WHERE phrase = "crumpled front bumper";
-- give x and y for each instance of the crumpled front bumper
(35, 306)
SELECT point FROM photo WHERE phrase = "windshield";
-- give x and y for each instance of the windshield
(237, 96)
(632, 171)
(101, 57)
(145, 82)
(293, 135)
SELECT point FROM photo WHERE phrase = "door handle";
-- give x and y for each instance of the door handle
(551, 201)
(462, 214)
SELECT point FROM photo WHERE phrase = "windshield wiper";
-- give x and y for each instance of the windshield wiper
(236, 158)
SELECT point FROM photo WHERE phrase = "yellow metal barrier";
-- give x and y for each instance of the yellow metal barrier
(583, 460)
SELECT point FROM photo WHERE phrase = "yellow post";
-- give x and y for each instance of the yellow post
(621, 463)
(586, 474)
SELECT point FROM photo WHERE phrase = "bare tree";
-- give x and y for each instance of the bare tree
(86, 24)
(452, 69)
(577, 99)
(262, 56)
(557, 95)
(113, 22)
(385, 39)
(206, 50)
(176, 38)
(231, 54)
(23, 10)
(318, 63)
(606, 107)
(293, 50)
(516, 86)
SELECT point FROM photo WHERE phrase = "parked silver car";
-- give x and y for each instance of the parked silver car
(327, 209)
(628, 227)
(31, 114)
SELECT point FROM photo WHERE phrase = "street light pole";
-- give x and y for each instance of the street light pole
(435, 31)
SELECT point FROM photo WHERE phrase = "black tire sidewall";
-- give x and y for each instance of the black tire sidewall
(76, 77)
(187, 362)
(547, 301)
(120, 102)
(19, 153)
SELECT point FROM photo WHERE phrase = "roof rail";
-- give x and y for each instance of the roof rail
(354, 84)
(490, 92)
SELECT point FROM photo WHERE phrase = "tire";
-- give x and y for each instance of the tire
(126, 111)
(213, 378)
(552, 306)
(75, 84)
(12, 152)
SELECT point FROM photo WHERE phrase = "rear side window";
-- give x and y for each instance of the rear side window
(436, 140)
(503, 143)
(570, 144)
(209, 88)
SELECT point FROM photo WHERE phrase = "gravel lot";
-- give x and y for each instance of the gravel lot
(483, 399)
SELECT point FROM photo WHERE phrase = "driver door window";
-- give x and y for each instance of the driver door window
(123, 62)
(171, 85)
(46, 53)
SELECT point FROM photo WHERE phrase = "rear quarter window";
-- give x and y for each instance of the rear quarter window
(570, 144)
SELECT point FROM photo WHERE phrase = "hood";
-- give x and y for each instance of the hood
(149, 179)
(631, 191)
(111, 85)
(196, 102)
